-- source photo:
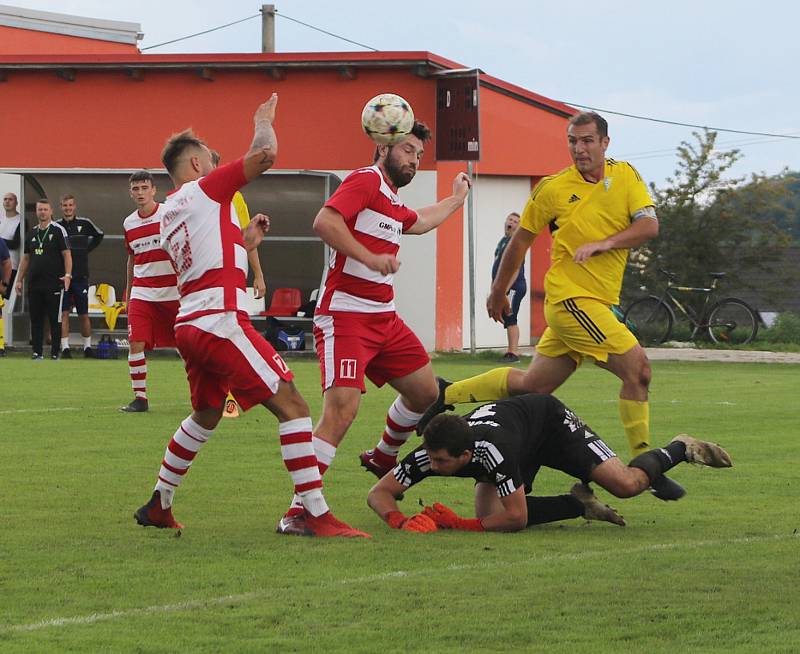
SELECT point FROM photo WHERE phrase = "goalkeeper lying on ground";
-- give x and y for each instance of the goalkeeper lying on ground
(502, 445)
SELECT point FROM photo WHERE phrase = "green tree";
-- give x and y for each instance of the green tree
(709, 222)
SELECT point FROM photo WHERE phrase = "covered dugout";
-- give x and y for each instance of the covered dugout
(291, 254)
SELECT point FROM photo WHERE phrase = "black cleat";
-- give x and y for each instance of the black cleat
(66, 353)
(509, 357)
(667, 489)
(138, 405)
(88, 353)
(439, 406)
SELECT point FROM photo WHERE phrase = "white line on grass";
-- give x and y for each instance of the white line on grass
(244, 597)
(84, 408)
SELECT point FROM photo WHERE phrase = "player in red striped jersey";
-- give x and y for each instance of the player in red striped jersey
(152, 288)
(356, 328)
(220, 348)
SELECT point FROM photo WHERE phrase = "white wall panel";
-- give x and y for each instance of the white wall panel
(494, 197)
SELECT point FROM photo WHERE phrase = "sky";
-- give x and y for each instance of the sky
(721, 64)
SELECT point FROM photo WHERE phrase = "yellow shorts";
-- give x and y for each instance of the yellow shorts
(583, 327)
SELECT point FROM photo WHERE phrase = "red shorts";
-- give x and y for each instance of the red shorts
(223, 352)
(380, 346)
(152, 323)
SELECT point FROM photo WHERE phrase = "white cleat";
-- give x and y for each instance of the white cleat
(594, 509)
(704, 453)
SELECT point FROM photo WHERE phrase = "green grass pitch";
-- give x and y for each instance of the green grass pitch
(715, 572)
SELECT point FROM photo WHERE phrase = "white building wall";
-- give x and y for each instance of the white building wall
(494, 198)
(415, 282)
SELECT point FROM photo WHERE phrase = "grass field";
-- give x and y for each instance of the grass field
(715, 572)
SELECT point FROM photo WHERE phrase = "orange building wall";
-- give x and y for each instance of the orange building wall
(108, 120)
(519, 139)
(17, 41)
(449, 264)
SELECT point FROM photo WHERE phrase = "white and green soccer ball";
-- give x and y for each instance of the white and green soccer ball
(387, 119)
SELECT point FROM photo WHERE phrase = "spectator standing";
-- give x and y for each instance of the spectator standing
(48, 259)
(11, 231)
(515, 294)
(84, 236)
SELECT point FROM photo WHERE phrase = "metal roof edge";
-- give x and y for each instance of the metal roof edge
(69, 25)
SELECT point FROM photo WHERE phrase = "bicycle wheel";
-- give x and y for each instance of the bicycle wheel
(732, 322)
(650, 320)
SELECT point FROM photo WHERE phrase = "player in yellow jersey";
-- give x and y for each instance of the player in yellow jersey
(597, 209)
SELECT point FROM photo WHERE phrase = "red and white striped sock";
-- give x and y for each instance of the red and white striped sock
(181, 450)
(300, 460)
(400, 424)
(137, 366)
(325, 452)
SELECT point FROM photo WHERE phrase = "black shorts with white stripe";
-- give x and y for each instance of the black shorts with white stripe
(570, 446)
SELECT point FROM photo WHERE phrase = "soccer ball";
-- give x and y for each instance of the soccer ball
(387, 119)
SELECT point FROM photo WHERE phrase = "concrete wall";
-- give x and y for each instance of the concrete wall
(495, 197)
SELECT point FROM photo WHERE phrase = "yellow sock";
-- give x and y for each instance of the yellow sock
(635, 417)
(492, 385)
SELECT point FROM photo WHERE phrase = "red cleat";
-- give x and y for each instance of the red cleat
(152, 515)
(293, 525)
(325, 525)
(368, 461)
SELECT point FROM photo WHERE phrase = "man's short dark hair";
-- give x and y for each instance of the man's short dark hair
(420, 130)
(450, 432)
(587, 117)
(142, 176)
(175, 147)
(43, 201)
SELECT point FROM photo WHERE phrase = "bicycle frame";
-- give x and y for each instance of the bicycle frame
(696, 318)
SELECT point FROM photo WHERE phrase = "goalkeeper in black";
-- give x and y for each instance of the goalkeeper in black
(502, 445)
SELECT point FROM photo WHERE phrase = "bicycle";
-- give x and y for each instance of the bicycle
(729, 321)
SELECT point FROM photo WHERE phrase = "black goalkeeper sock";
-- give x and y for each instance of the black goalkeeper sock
(551, 509)
(656, 462)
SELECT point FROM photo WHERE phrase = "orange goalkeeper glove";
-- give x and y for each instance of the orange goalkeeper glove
(419, 523)
(446, 518)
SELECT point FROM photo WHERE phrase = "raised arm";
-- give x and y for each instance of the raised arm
(264, 148)
(431, 217)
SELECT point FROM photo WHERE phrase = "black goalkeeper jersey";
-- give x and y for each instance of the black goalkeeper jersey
(46, 262)
(509, 437)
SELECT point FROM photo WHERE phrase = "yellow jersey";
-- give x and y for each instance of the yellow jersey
(242, 212)
(580, 212)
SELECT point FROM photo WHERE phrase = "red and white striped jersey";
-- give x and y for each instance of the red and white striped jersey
(153, 275)
(376, 218)
(201, 234)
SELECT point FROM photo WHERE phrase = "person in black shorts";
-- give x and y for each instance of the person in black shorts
(84, 236)
(515, 294)
(48, 261)
(502, 445)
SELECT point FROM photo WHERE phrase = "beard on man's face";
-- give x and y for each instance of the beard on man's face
(398, 175)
